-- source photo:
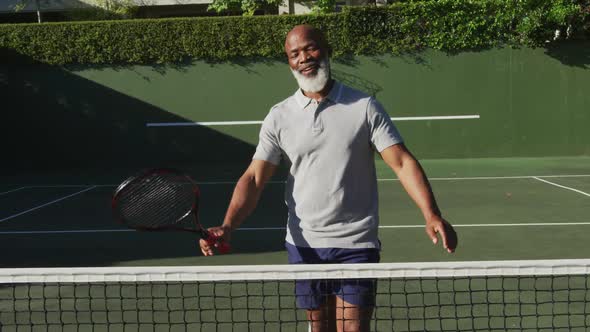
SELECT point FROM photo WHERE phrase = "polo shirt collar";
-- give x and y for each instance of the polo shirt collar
(333, 95)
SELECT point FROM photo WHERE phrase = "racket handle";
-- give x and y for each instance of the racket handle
(223, 247)
(218, 242)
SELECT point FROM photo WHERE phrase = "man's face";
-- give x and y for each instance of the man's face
(304, 52)
(308, 59)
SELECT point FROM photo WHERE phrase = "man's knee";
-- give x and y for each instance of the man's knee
(352, 318)
(323, 319)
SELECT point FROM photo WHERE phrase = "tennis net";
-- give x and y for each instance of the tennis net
(549, 295)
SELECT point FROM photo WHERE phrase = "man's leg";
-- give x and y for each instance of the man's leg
(339, 315)
(315, 296)
(351, 317)
(355, 300)
(323, 319)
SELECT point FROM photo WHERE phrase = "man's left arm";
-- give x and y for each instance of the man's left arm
(414, 181)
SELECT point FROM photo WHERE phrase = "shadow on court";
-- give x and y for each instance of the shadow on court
(135, 248)
(57, 125)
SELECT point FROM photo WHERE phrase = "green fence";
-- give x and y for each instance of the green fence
(530, 102)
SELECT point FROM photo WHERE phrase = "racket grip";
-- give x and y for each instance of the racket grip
(218, 242)
(223, 247)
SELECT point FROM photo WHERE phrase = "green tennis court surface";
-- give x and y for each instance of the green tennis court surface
(503, 209)
(517, 208)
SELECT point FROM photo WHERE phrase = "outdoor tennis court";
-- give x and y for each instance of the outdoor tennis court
(529, 208)
(503, 209)
(493, 101)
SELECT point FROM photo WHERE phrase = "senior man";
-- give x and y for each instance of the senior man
(328, 134)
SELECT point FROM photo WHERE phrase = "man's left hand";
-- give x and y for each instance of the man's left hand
(437, 225)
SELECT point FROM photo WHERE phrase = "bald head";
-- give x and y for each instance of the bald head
(305, 43)
(307, 52)
(306, 32)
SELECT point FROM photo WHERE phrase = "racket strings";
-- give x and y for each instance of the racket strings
(156, 200)
(155, 206)
(159, 201)
(147, 210)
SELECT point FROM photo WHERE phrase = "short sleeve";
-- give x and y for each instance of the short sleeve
(382, 130)
(268, 148)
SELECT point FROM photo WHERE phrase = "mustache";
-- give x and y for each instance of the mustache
(317, 81)
(315, 64)
(311, 64)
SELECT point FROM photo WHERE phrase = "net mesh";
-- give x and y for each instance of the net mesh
(473, 296)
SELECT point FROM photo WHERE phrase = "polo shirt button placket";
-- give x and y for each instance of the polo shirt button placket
(317, 126)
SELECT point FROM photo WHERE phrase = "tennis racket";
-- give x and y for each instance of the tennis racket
(160, 200)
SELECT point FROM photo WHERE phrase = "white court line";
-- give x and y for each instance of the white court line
(500, 225)
(46, 204)
(283, 228)
(206, 124)
(115, 185)
(233, 182)
(434, 179)
(69, 185)
(68, 231)
(382, 179)
(445, 117)
(498, 177)
(13, 190)
(41, 186)
(240, 123)
(563, 187)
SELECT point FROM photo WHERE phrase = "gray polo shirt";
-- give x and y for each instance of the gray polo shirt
(331, 189)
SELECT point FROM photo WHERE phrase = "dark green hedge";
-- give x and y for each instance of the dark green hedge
(450, 25)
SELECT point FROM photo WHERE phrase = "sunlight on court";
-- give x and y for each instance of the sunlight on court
(497, 217)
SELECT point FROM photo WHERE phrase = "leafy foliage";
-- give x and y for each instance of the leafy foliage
(247, 7)
(104, 10)
(324, 6)
(449, 25)
(93, 10)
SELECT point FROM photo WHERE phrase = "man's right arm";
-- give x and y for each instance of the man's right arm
(243, 202)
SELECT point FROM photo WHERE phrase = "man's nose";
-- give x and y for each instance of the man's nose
(304, 57)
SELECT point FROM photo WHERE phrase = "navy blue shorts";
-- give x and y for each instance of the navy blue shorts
(310, 294)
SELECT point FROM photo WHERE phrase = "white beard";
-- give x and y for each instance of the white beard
(317, 82)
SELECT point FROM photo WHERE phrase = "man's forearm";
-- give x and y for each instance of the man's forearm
(414, 181)
(243, 202)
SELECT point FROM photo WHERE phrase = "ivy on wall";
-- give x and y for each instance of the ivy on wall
(410, 26)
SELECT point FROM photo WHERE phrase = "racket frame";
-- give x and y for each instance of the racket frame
(204, 234)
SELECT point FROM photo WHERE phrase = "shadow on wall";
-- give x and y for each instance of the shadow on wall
(54, 121)
(571, 53)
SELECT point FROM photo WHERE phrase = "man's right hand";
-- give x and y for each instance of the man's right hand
(222, 232)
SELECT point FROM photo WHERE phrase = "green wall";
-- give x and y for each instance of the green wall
(532, 102)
